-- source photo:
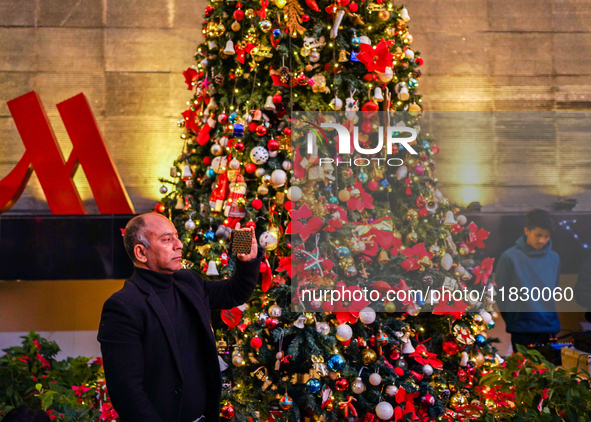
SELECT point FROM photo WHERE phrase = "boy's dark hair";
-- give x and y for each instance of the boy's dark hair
(26, 414)
(539, 218)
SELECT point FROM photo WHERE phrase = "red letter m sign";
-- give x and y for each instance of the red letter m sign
(44, 155)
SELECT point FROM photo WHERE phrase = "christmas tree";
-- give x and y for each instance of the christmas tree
(269, 78)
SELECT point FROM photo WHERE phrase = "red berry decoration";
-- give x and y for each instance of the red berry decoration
(277, 98)
(261, 130)
(238, 14)
(250, 167)
(373, 185)
(228, 411)
(256, 342)
(369, 109)
(273, 144)
(305, 18)
(239, 146)
(257, 204)
(353, 7)
(160, 208)
(341, 384)
(207, 161)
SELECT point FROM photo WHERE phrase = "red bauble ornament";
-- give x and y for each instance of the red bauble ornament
(366, 126)
(353, 7)
(160, 208)
(462, 375)
(288, 205)
(434, 150)
(421, 201)
(223, 118)
(238, 14)
(455, 228)
(257, 204)
(341, 384)
(231, 142)
(253, 126)
(251, 224)
(250, 167)
(277, 98)
(209, 10)
(256, 342)
(207, 161)
(399, 371)
(273, 144)
(287, 131)
(423, 212)
(228, 411)
(419, 61)
(373, 185)
(271, 323)
(428, 400)
(239, 146)
(369, 109)
(305, 18)
(327, 265)
(450, 347)
(261, 130)
(368, 77)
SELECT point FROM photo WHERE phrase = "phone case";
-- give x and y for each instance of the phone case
(241, 241)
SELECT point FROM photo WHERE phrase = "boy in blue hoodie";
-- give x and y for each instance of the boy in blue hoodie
(530, 263)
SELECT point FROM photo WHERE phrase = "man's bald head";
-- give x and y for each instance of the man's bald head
(135, 233)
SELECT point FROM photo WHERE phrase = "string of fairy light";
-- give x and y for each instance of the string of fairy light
(568, 226)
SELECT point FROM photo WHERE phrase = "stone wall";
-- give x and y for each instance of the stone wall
(480, 55)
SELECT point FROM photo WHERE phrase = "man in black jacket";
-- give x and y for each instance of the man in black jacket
(159, 352)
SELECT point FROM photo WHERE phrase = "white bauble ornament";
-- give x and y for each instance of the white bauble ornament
(364, 40)
(367, 315)
(294, 193)
(438, 194)
(391, 390)
(263, 190)
(237, 360)
(447, 261)
(223, 141)
(401, 172)
(323, 328)
(486, 317)
(409, 53)
(384, 410)
(278, 178)
(386, 76)
(375, 379)
(260, 172)
(259, 155)
(358, 386)
(219, 164)
(344, 332)
(336, 103)
(273, 154)
(427, 370)
(269, 241)
(286, 165)
(190, 224)
(234, 164)
(461, 219)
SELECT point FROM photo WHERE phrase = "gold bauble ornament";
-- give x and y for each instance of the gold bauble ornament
(479, 359)
(344, 195)
(368, 356)
(391, 31)
(383, 15)
(265, 26)
(412, 214)
(309, 318)
(477, 319)
(434, 250)
(249, 13)
(235, 26)
(220, 29)
(390, 307)
(457, 400)
(409, 39)
(463, 249)
(412, 237)
(281, 3)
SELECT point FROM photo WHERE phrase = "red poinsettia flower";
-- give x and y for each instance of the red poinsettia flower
(350, 312)
(376, 58)
(337, 219)
(476, 237)
(407, 400)
(379, 232)
(359, 201)
(424, 357)
(190, 78)
(79, 391)
(297, 225)
(43, 361)
(98, 361)
(483, 271)
(108, 413)
(456, 310)
(189, 117)
(414, 254)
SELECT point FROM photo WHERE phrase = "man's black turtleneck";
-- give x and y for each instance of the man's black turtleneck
(183, 317)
